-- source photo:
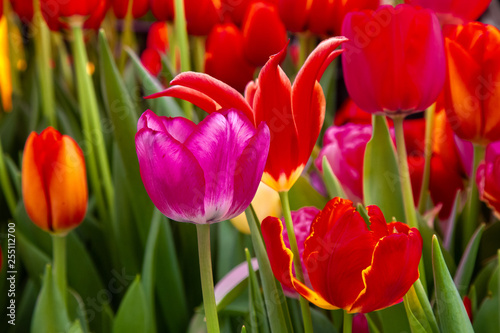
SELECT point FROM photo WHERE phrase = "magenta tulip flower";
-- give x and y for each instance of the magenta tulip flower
(488, 178)
(203, 173)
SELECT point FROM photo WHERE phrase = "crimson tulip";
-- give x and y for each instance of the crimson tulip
(23, 9)
(263, 33)
(488, 178)
(54, 181)
(224, 59)
(235, 10)
(294, 114)
(203, 173)
(57, 12)
(394, 61)
(349, 266)
(151, 60)
(294, 14)
(163, 10)
(472, 93)
(139, 8)
(454, 11)
(158, 37)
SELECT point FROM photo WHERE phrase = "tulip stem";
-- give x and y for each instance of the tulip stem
(471, 220)
(6, 185)
(429, 131)
(59, 263)
(127, 37)
(404, 175)
(347, 322)
(304, 304)
(207, 280)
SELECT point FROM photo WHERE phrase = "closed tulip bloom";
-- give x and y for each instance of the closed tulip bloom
(472, 93)
(294, 114)
(158, 37)
(139, 8)
(235, 10)
(349, 266)
(224, 59)
(394, 61)
(23, 9)
(294, 14)
(57, 13)
(488, 178)
(54, 181)
(454, 11)
(203, 173)
(263, 33)
(151, 60)
(163, 10)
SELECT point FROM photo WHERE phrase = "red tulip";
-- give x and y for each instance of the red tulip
(294, 114)
(454, 11)
(472, 93)
(326, 16)
(54, 181)
(57, 12)
(224, 58)
(349, 266)
(151, 60)
(23, 9)
(294, 13)
(139, 8)
(163, 10)
(263, 33)
(235, 10)
(394, 61)
(158, 37)
(488, 178)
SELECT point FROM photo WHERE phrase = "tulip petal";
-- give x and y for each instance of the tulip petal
(171, 175)
(192, 96)
(249, 168)
(220, 92)
(178, 128)
(281, 259)
(393, 270)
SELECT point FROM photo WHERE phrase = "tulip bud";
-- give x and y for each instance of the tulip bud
(54, 181)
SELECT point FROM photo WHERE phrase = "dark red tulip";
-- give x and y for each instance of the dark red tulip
(158, 37)
(23, 9)
(163, 10)
(139, 8)
(263, 33)
(151, 60)
(57, 12)
(294, 14)
(454, 11)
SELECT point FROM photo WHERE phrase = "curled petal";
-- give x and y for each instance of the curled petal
(192, 96)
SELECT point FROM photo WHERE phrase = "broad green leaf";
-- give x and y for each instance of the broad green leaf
(76, 310)
(451, 312)
(132, 315)
(486, 319)
(321, 323)
(420, 320)
(164, 106)
(258, 318)
(381, 180)
(303, 194)
(332, 183)
(277, 312)
(50, 314)
(76, 327)
(393, 319)
(465, 268)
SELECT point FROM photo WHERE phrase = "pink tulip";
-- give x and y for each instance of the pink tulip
(454, 11)
(203, 173)
(488, 178)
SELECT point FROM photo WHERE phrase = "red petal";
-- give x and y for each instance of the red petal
(281, 260)
(192, 96)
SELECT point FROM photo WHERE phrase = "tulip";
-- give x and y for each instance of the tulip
(263, 33)
(151, 60)
(454, 11)
(294, 14)
(224, 59)
(235, 10)
(294, 114)
(488, 178)
(23, 9)
(5, 69)
(472, 95)
(349, 112)
(158, 37)
(349, 266)
(344, 148)
(203, 173)
(54, 181)
(394, 61)
(162, 10)
(326, 16)
(58, 12)
(139, 8)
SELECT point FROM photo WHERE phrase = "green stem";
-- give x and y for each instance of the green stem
(98, 161)
(473, 202)
(429, 131)
(198, 46)
(59, 267)
(127, 37)
(404, 174)
(207, 281)
(7, 188)
(43, 57)
(347, 322)
(304, 304)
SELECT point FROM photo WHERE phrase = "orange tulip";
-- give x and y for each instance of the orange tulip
(472, 92)
(54, 181)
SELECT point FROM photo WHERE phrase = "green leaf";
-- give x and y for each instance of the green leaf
(331, 181)
(164, 106)
(419, 311)
(465, 268)
(76, 310)
(132, 315)
(487, 317)
(258, 318)
(381, 180)
(321, 323)
(303, 194)
(76, 327)
(277, 311)
(50, 314)
(451, 312)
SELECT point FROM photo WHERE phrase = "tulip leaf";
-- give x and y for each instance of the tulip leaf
(258, 318)
(490, 308)
(303, 194)
(451, 312)
(331, 181)
(50, 314)
(321, 323)
(277, 311)
(419, 311)
(465, 268)
(381, 180)
(164, 106)
(76, 310)
(132, 315)
(76, 327)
